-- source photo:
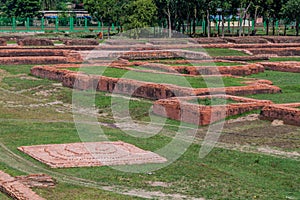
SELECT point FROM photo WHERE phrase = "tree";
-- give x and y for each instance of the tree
(21, 8)
(48, 4)
(168, 9)
(292, 12)
(105, 10)
(139, 14)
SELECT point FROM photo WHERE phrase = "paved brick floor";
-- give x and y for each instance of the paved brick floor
(91, 154)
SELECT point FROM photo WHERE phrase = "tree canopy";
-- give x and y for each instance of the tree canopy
(21, 8)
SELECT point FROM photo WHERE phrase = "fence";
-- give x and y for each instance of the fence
(52, 25)
(72, 24)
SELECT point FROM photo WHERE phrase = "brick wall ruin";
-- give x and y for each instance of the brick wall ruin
(15, 189)
(38, 56)
(287, 113)
(3, 42)
(180, 109)
(139, 88)
(87, 42)
(290, 51)
(35, 42)
(290, 66)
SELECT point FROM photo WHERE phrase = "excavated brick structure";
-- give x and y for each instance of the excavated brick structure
(139, 88)
(15, 189)
(87, 42)
(288, 113)
(119, 42)
(283, 39)
(160, 54)
(213, 40)
(246, 40)
(290, 51)
(37, 181)
(182, 110)
(243, 70)
(38, 56)
(240, 90)
(35, 42)
(3, 42)
(290, 66)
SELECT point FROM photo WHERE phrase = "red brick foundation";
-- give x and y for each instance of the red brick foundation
(243, 70)
(161, 54)
(288, 113)
(139, 88)
(282, 39)
(290, 66)
(38, 56)
(87, 42)
(35, 42)
(246, 40)
(3, 42)
(15, 189)
(180, 109)
(291, 51)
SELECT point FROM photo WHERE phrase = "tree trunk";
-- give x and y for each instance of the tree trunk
(108, 30)
(285, 27)
(219, 22)
(223, 26)
(267, 31)
(195, 21)
(205, 29)
(249, 27)
(194, 26)
(297, 28)
(169, 22)
(208, 23)
(273, 24)
(244, 24)
(255, 19)
(243, 17)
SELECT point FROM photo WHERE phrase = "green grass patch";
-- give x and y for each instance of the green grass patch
(11, 42)
(17, 69)
(281, 59)
(288, 82)
(20, 83)
(223, 174)
(212, 101)
(195, 82)
(214, 52)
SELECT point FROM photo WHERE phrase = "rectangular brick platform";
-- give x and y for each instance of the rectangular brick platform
(91, 154)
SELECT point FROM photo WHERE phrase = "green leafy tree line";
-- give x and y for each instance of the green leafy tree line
(176, 13)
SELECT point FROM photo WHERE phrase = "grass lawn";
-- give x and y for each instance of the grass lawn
(288, 82)
(212, 101)
(214, 52)
(195, 82)
(223, 174)
(278, 59)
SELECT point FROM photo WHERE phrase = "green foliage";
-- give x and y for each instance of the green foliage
(102, 10)
(291, 10)
(21, 8)
(139, 14)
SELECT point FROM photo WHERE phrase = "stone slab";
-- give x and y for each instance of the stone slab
(91, 154)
